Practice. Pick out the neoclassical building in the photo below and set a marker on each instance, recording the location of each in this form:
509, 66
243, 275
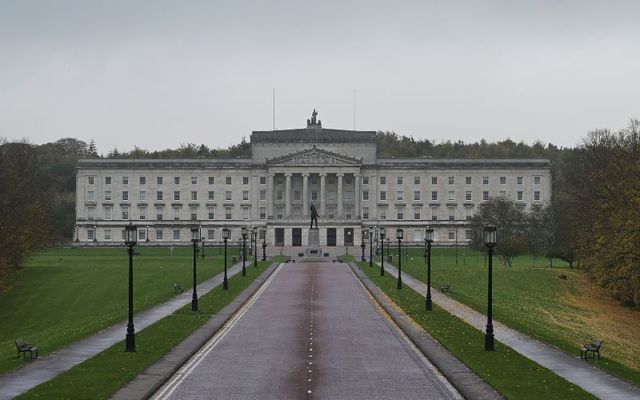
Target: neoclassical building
337, 170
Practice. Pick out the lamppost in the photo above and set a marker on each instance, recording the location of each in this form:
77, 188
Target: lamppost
264, 243
244, 250
370, 246
202, 238
147, 235
254, 235
382, 231
490, 240
399, 235
362, 244
195, 239
130, 240
77, 233
226, 235
428, 239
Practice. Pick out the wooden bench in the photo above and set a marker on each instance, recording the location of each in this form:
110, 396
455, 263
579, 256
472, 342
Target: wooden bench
24, 347
446, 288
178, 288
593, 347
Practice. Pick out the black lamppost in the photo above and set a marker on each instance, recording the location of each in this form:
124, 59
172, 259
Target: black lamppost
490, 240
147, 237
428, 239
264, 244
195, 239
202, 238
362, 244
226, 235
244, 250
382, 231
254, 236
77, 233
130, 240
399, 235
370, 246
95, 234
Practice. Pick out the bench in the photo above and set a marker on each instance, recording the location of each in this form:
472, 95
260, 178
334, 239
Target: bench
446, 288
178, 288
593, 347
24, 347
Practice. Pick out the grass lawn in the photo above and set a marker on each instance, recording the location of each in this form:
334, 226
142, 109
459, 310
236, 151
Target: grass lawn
511, 374
63, 295
535, 301
102, 375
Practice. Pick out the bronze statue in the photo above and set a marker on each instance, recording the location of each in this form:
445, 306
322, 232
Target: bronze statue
314, 215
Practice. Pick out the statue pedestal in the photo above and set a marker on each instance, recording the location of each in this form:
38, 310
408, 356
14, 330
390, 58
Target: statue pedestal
313, 244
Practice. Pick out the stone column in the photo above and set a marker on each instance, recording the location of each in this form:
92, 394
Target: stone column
270, 195
356, 195
323, 188
340, 200
305, 194
287, 195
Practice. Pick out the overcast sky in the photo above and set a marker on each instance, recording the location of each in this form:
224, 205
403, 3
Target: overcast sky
160, 73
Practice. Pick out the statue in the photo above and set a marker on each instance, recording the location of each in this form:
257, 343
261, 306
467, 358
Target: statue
313, 122
314, 215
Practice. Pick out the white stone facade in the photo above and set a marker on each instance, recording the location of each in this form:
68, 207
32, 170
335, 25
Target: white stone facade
338, 172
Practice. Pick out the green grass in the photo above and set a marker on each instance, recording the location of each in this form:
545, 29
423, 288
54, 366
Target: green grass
510, 373
525, 298
101, 376
63, 295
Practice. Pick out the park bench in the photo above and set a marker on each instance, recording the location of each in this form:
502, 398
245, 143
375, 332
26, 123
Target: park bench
24, 347
593, 347
446, 288
178, 288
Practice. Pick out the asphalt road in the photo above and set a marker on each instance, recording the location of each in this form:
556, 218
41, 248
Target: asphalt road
312, 333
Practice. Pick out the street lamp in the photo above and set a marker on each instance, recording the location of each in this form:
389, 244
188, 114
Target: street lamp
428, 239
202, 238
399, 235
130, 240
490, 240
195, 239
147, 235
77, 233
370, 246
226, 235
95, 233
264, 243
382, 232
244, 249
254, 235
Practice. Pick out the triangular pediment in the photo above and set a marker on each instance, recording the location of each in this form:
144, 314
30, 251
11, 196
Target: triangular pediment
314, 157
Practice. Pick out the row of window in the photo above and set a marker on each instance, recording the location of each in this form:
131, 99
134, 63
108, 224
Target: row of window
142, 195
451, 195
451, 180
228, 180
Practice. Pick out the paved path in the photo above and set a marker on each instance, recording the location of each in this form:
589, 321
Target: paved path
47, 367
573, 369
312, 333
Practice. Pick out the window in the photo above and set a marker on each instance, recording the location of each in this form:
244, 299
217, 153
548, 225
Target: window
280, 195
194, 195
519, 180
416, 195
227, 212
467, 195
365, 212
399, 180
365, 180
434, 180
159, 214
91, 195
400, 195
536, 180
536, 196
125, 196
503, 180
159, 180
468, 213
125, 212
452, 235
194, 180
159, 234
485, 180
348, 212
245, 180
211, 234
347, 179
176, 195
467, 180
159, 195
107, 180
279, 212
142, 195
434, 196
108, 211
107, 234
245, 195
194, 213
279, 237
520, 195
211, 195
382, 212
365, 195
263, 213
468, 234
107, 195
176, 213
314, 195
125, 180
211, 214
263, 195
142, 234
434, 213
176, 234
227, 180
331, 212
91, 213
400, 212
91, 234
485, 195
143, 180
297, 194
383, 180
416, 212
452, 213
416, 180
451, 195
91, 180
383, 195
263, 180
452, 180
143, 212
212, 180
227, 195
176, 180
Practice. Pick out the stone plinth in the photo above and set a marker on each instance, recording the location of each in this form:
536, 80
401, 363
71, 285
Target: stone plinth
313, 244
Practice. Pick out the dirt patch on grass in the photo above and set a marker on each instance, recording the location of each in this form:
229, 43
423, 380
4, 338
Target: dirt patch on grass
604, 318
